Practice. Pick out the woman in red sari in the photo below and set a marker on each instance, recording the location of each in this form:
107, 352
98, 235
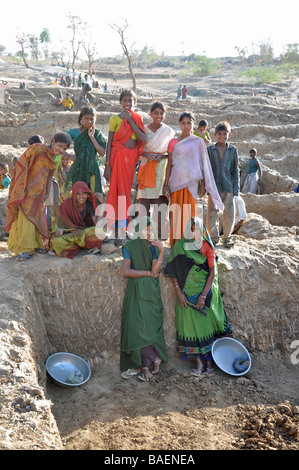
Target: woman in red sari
75, 223
126, 141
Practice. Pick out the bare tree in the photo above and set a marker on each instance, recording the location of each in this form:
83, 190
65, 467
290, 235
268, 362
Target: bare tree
76, 26
127, 50
89, 47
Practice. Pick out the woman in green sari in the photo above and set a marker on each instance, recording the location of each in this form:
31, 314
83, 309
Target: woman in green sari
142, 334
88, 142
200, 316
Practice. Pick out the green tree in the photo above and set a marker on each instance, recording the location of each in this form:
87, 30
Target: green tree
34, 46
44, 38
292, 53
266, 51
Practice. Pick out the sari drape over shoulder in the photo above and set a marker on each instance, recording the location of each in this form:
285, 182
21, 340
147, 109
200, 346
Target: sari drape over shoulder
142, 311
151, 173
123, 162
190, 164
28, 188
85, 167
196, 329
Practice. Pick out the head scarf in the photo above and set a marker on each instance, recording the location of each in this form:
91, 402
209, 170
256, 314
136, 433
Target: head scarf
68, 213
190, 241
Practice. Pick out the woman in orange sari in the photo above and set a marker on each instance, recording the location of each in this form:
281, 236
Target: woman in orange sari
126, 141
26, 219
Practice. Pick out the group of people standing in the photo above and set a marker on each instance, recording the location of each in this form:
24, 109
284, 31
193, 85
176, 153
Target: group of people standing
173, 169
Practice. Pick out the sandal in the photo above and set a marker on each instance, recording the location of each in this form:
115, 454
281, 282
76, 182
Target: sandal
94, 251
127, 374
52, 253
143, 377
228, 243
41, 251
199, 370
24, 256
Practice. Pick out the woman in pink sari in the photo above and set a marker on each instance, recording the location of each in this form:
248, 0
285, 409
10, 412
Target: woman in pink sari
188, 174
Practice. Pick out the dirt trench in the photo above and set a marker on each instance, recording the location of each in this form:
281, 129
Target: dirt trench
63, 305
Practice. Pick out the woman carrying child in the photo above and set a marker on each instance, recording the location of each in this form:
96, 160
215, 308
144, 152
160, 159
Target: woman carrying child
88, 142
26, 219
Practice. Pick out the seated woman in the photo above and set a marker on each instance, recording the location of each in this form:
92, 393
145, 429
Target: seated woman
75, 223
200, 316
142, 334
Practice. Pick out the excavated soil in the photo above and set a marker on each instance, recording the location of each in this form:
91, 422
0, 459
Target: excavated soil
50, 304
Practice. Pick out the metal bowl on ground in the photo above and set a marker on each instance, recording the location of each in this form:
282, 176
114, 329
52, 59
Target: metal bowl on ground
228, 353
67, 370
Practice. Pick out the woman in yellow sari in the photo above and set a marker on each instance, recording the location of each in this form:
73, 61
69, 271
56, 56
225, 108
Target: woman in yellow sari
26, 219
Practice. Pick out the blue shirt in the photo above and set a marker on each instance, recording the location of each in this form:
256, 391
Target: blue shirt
252, 165
6, 182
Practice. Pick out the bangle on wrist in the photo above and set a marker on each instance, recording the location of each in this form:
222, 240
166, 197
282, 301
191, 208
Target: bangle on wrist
203, 297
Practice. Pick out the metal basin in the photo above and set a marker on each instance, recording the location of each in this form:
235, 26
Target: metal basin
67, 370
225, 351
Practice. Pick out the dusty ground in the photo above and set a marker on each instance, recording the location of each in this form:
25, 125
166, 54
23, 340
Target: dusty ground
179, 412
176, 412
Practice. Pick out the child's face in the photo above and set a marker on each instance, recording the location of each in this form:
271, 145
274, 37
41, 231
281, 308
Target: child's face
87, 121
127, 102
202, 128
157, 116
148, 233
222, 137
2, 171
59, 148
81, 198
65, 161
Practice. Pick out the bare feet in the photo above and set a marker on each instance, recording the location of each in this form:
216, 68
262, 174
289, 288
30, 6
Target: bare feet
157, 363
210, 368
146, 375
199, 368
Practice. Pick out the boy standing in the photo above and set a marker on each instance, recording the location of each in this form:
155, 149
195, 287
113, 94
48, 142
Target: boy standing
225, 165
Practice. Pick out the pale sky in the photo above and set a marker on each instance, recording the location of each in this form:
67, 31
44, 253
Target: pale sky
211, 28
